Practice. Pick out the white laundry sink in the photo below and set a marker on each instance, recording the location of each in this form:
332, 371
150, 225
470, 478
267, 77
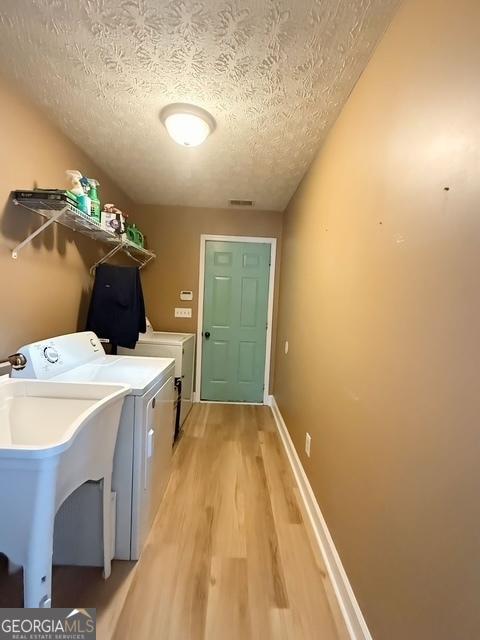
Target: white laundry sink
54, 436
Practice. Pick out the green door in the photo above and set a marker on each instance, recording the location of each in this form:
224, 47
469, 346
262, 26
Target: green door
235, 321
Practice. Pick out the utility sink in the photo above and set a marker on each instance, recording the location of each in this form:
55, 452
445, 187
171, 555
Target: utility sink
54, 436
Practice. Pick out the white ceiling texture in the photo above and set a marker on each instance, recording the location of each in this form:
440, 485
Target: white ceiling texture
273, 73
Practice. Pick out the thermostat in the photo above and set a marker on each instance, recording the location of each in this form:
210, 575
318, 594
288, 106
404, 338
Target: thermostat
186, 295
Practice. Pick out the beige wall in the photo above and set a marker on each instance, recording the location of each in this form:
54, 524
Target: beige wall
45, 291
380, 302
174, 234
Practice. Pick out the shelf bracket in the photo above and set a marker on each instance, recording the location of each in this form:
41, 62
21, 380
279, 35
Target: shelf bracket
38, 231
144, 264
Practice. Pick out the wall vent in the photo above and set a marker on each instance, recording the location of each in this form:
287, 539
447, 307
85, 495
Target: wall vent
235, 202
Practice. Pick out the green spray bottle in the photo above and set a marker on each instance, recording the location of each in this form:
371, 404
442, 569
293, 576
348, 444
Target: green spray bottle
93, 193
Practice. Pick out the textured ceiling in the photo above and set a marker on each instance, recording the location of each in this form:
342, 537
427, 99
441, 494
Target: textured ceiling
273, 73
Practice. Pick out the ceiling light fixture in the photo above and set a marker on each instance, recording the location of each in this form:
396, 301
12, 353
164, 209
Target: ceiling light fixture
187, 124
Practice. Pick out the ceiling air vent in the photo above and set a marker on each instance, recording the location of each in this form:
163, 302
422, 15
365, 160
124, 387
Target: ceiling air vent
241, 203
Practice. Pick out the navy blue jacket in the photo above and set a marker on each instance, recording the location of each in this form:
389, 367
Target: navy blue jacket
117, 309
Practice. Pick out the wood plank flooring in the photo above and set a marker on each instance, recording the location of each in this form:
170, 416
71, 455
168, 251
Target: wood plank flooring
230, 555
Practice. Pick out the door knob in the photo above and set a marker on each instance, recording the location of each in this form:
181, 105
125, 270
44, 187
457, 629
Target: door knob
207, 335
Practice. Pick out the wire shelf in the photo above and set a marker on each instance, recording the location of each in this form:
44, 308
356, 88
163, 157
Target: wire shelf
65, 214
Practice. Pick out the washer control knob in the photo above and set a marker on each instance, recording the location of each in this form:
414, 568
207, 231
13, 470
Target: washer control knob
51, 354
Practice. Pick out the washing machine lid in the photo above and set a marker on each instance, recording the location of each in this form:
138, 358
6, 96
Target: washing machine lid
80, 357
164, 337
139, 373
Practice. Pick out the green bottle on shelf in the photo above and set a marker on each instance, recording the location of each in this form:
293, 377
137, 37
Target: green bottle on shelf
95, 201
135, 235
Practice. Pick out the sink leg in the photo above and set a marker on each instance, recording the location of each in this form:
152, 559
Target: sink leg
13, 567
37, 580
37, 564
107, 526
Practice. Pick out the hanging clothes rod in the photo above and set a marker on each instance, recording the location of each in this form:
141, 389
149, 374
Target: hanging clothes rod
122, 246
106, 257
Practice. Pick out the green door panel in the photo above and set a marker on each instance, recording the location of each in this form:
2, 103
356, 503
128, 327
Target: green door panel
235, 315
249, 302
246, 361
221, 301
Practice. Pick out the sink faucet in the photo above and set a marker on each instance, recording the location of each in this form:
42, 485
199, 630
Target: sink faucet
17, 361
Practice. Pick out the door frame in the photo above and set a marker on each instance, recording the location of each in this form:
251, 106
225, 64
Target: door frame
204, 238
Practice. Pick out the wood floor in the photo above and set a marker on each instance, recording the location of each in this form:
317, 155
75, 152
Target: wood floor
229, 556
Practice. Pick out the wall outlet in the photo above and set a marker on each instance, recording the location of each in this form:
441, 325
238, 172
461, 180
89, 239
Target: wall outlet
183, 312
308, 442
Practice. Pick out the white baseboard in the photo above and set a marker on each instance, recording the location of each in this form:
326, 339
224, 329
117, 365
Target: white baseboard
267, 401
245, 404
354, 620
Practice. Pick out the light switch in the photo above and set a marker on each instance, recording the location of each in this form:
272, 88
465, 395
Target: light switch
183, 312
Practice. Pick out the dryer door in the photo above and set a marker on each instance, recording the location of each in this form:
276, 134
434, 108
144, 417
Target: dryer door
158, 451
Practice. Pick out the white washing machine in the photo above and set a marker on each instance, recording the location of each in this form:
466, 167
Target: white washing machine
141, 467
180, 346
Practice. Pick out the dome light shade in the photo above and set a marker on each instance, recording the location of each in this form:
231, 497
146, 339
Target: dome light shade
187, 124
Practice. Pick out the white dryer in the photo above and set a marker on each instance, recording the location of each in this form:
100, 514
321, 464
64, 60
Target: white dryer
180, 346
141, 467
